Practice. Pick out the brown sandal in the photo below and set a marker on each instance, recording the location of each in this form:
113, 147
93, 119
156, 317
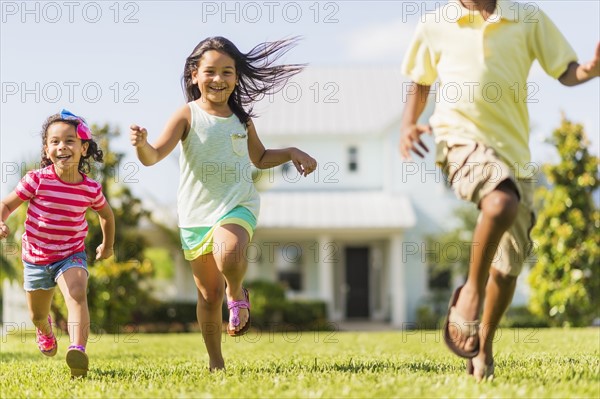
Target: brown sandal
459, 321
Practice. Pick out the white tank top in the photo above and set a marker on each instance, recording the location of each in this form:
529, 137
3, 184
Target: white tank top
215, 170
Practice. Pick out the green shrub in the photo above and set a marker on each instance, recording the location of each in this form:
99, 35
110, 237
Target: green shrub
272, 311
522, 317
268, 301
117, 297
169, 317
306, 315
162, 260
428, 318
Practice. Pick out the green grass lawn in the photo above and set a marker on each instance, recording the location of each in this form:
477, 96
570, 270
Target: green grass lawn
529, 363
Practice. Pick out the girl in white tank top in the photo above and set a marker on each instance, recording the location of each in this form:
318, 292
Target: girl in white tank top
216, 201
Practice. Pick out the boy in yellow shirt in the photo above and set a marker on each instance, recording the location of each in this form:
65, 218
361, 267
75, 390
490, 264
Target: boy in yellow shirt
481, 51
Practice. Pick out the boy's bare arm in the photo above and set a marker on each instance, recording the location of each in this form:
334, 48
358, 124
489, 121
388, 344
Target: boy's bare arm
580, 73
416, 100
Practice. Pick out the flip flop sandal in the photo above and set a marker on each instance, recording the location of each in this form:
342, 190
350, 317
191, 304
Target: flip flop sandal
234, 307
458, 320
77, 361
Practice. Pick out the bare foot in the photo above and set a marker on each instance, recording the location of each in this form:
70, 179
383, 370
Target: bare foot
483, 367
216, 365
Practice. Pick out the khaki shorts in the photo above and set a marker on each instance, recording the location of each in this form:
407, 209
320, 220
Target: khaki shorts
473, 171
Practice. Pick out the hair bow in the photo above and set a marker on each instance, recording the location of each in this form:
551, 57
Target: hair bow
83, 131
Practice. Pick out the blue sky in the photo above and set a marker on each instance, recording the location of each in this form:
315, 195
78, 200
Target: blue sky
121, 62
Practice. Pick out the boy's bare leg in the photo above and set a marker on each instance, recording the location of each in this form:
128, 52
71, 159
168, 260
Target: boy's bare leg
498, 212
498, 296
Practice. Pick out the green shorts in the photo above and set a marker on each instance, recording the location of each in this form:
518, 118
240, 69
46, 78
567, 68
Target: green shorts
197, 241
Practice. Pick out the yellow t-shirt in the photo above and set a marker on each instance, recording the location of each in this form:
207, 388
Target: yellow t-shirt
482, 66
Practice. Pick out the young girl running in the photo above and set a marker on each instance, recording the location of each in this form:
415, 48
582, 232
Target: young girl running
216, 201
53, 248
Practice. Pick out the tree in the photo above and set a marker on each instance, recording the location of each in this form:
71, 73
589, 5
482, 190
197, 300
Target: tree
129, 244
565, 282
450, 251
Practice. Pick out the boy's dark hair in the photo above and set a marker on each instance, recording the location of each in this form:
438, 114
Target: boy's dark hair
257, 76
93, 150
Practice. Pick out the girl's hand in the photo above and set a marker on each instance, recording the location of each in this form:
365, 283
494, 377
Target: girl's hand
304, 163
411, 136
103, 252
4, 231
138, 135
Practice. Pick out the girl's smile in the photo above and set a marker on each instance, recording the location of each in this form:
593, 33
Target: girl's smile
65, 150
216, 77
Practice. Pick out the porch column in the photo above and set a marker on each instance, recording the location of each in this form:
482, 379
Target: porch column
327, 254
397, 282
15, 311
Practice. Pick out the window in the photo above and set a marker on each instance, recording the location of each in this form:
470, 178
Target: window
439, 279
289, 266
352, 159
285, 168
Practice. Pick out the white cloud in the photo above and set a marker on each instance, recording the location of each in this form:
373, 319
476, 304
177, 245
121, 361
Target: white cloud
379, 42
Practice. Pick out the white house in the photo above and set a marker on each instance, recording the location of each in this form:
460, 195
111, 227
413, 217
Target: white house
352, 233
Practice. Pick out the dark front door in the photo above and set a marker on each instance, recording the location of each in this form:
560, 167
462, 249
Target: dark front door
357, 282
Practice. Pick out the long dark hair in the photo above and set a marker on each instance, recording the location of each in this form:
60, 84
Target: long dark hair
257, 76
93, 150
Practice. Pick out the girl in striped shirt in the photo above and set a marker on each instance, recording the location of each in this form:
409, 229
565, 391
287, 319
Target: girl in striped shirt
53, 248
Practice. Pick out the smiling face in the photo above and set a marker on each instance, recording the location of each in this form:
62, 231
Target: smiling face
216, 77
65, 149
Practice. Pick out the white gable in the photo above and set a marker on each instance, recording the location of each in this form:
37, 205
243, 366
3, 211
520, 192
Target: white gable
335, 210
334, 100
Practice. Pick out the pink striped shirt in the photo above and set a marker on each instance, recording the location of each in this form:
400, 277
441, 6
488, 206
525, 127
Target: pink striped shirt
55, 227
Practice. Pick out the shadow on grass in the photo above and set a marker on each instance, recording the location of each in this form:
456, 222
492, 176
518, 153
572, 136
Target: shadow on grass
9, 357
139, 372
353, 366
101, 374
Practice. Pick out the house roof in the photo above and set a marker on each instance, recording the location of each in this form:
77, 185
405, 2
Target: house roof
336, 101
335, 210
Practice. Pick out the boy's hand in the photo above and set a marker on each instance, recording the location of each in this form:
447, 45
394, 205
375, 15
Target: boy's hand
592, 68
4, 231
103, 252
410, 137
304, 163
138, 135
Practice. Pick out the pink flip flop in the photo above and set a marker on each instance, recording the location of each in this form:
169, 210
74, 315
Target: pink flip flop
234, 307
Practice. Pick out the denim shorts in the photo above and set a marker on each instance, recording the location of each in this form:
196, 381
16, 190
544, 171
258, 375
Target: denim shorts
44, 277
